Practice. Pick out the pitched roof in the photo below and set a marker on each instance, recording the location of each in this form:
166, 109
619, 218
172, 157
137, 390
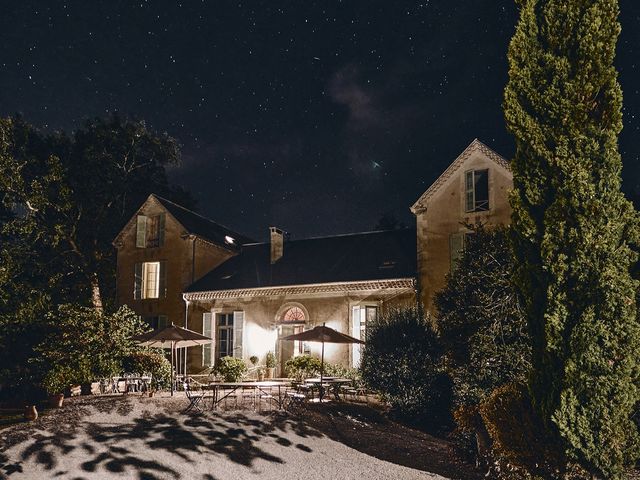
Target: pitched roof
343, 258
201, 226
475, 146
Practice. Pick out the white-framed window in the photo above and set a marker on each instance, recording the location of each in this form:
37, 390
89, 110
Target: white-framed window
476, 191
224, 333
150, 280
229, 332
150, 231
207, 331
361, 316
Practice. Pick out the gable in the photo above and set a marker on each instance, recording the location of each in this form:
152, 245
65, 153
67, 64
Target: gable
190, 222
475, 148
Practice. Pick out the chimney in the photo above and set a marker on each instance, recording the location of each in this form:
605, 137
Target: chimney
277, 244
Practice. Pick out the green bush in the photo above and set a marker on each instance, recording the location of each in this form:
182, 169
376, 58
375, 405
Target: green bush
302, 366
482, 325
520, 445
89, 343
58, 379
337, 370
152, 362
231, 369
402, 361
270, 360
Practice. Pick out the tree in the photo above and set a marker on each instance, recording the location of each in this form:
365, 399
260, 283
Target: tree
482, 325
573, 227
71, 195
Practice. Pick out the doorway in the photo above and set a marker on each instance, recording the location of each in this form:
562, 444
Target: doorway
288, 349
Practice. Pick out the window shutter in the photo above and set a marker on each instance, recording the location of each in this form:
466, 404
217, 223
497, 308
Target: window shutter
137, 283
163, 321
207, 328
141, 232
356, 312
456, 247
161, 222
238, 329
162, 280
469, 198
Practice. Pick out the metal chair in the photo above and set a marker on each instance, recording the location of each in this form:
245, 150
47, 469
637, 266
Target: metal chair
194, 397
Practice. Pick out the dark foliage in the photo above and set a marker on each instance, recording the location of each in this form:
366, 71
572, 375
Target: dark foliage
482, 326
573, 228
402, 361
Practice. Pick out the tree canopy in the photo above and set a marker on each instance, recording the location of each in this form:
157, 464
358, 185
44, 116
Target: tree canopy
574, 229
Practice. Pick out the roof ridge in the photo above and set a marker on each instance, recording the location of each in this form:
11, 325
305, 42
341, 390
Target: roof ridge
340, 235
218, 224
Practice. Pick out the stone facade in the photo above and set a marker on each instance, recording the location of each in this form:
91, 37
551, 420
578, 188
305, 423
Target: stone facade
186, 256
474, 188
264, 323
442, 216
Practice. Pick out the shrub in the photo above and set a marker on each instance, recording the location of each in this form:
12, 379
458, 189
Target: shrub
302, 366
521, 447
402, 361
58, 379
270, 360
231, 369
337, 370
89, 343
152, 362
254, 360
482, 325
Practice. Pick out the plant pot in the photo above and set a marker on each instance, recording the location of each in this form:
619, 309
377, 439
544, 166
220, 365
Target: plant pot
30, 413
260, 376
271, 371
55, 401
150, 393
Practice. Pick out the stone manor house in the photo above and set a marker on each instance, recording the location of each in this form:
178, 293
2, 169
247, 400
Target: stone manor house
174, 265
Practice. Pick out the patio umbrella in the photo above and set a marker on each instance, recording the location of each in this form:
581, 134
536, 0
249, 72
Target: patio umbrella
322, 334
172, 337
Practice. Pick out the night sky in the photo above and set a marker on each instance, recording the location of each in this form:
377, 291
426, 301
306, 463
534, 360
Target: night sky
315, 116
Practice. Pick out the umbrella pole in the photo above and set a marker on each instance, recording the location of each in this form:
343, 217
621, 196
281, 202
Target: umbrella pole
321, 372
173, 381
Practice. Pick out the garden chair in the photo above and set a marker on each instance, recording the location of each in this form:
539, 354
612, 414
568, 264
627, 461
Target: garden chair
195, 397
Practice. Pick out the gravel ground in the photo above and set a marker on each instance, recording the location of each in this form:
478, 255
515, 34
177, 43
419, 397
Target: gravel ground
149, 438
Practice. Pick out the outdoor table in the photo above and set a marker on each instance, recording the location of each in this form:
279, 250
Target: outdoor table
264, 388
332, 383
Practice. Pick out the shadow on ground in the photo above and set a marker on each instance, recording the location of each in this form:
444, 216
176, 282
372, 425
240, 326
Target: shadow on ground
367, 430
106, 441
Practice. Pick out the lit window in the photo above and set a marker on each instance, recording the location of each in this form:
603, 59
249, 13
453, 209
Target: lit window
229, 240
294, 314
225, 335
476, 186
151, 280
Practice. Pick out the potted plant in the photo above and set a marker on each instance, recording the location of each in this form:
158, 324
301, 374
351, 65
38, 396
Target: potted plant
231, 369
55, 382
270, 363
254, 363
260, 374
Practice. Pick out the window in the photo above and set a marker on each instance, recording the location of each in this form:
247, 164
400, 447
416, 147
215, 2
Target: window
150, 280
150, 231
294, 315
476, 186
225, 335
361, 317
207, 329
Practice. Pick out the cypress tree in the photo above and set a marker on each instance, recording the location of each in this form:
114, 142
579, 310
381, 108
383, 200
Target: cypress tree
573, 227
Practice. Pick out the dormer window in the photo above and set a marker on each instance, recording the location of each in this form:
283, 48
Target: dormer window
476, 183
229, 240
150, 231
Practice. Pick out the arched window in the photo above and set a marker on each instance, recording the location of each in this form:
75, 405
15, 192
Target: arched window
293, 315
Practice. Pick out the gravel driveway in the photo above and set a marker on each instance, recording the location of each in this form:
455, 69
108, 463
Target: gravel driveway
142, 438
